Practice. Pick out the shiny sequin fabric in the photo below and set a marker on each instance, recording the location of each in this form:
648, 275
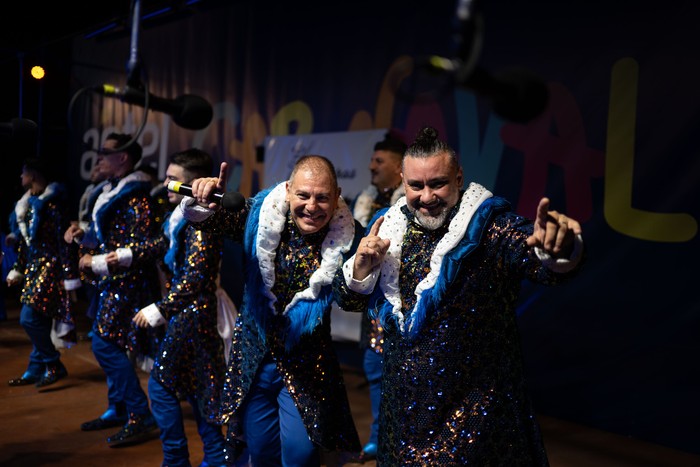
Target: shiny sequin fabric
310, 368
123, 218
454, 393
43, 256
191, 357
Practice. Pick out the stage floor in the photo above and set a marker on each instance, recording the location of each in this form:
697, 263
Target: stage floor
41, 427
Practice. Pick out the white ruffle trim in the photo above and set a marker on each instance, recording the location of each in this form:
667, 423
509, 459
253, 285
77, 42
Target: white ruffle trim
394, 227
273, 217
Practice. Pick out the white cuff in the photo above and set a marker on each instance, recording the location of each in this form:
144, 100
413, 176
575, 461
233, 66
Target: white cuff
124, 256
562, 265
365, 286
153, 315
99, 265
14, 275
72, 284
192, 211
62, 329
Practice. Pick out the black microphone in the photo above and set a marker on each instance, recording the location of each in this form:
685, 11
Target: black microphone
232, 200
188, 111
515, 94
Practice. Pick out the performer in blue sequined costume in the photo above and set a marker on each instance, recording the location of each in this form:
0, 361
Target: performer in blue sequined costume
123, 223
284, 392
46, 270
190, 363
442, 269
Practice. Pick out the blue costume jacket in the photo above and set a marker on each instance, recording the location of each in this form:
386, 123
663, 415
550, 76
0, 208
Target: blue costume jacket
122, 218
453, 389
286, 315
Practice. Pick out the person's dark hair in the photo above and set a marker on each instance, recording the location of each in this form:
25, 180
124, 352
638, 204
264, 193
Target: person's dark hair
427, 145
134, 150
391, 143
40, 167
149, 169
315, 161
197, 163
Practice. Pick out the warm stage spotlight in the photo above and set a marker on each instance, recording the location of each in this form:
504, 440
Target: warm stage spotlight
38, 72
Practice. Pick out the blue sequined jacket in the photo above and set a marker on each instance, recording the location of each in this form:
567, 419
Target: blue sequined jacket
190, 360
122, 218
297, 337
453, 389
43, 258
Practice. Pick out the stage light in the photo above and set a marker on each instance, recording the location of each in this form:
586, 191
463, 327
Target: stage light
38, 72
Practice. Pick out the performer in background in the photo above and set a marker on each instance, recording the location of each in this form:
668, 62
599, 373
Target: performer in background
442, 269
45, 269
284, 392
123, 223
85, 205
190, 363
386, 188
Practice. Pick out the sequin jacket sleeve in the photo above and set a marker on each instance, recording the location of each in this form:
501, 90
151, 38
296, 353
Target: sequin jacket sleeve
195, 275
190, 360
226, 222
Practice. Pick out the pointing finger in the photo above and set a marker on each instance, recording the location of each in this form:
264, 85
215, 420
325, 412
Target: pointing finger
542, 212
374, 230
223, 176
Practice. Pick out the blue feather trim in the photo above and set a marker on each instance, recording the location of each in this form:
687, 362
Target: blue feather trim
53, 191
256, 301
176, 242
303, 317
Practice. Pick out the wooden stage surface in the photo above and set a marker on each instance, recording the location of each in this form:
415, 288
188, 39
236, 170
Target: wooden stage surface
41, 427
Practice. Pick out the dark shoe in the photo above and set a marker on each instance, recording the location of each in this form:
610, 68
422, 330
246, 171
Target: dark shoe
139, 428
25, 380
102, 423
54, 372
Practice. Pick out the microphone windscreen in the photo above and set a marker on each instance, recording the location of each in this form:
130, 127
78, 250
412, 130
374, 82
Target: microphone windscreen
233, 201
193, 112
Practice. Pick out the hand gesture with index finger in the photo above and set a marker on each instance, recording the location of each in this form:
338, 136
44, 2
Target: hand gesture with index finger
370, 253
203, 189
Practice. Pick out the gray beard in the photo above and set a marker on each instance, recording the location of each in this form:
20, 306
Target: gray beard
430, 222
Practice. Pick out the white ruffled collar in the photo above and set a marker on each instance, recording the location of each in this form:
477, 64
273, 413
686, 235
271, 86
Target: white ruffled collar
109, 192
394, 227
338, 240
22, 207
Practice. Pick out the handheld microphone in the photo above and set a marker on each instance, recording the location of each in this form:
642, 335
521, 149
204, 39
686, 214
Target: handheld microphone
233, 201
188, 111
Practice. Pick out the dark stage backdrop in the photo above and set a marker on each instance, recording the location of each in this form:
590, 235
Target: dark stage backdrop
616, 148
